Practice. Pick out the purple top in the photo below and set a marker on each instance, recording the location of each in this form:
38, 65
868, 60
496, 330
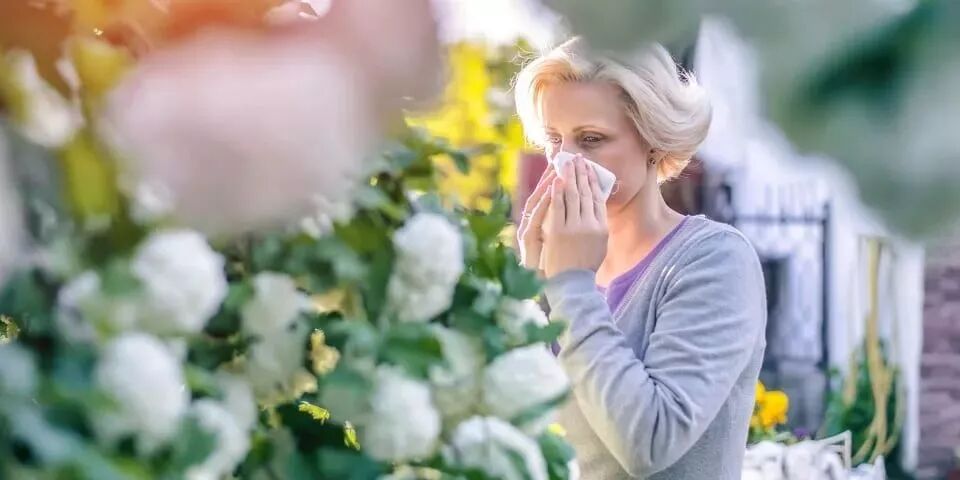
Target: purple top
619, 286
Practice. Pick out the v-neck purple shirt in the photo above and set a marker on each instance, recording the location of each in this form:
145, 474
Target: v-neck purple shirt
619, 286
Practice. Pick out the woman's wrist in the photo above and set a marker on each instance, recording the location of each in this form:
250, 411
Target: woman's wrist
570, 281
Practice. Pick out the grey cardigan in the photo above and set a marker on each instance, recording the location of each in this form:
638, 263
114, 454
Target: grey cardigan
663, 388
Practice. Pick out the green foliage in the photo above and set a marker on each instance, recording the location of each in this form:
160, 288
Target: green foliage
352, 264
414, 346
558, 454
858, 415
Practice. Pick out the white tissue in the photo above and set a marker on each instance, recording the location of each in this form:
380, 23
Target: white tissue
605, 177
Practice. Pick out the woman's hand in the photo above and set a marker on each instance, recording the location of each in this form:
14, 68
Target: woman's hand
530, 233
575, 232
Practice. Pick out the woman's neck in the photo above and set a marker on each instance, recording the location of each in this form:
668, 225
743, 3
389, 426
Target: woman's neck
635, 228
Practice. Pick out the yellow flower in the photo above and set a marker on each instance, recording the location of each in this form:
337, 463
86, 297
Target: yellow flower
770, 408
773, 412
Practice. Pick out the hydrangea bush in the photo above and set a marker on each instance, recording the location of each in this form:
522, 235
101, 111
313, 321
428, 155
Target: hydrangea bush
391, 334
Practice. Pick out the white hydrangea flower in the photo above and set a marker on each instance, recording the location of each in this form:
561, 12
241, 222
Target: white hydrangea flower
490, 444
429, 263
84, 311
456, 385
275, 364
146, 381
238, 399
18, 370
403, 423
182, 279
514, 315
328, 212
522, 379
274, 306
231, 444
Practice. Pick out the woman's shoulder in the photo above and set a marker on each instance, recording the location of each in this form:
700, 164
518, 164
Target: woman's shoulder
710, 239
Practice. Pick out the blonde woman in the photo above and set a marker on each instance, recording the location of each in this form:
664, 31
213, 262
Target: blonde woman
666, 312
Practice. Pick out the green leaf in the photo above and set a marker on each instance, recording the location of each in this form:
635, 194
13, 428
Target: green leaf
91, 464
494, 341
347, 465
117, 279
261, 451
547, 333
538, 411
227, 320
558, 454
518, 282
299, 467
413, 346
469, 321
209, 352
345, 393
371, 197
266, 252
200, 381
347, 264
374, 289
193, 445
29, 298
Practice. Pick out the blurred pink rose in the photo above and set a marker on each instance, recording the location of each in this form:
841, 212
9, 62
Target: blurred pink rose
230, 132
395, 43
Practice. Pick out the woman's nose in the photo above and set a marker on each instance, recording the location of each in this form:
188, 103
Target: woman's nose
569, 147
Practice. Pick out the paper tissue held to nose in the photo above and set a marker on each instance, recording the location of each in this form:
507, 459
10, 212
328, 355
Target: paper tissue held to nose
605, 177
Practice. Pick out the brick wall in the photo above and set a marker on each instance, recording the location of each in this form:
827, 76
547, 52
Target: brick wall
940, 363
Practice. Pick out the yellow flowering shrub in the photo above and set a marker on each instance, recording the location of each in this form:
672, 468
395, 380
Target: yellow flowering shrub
476, 112
769, 412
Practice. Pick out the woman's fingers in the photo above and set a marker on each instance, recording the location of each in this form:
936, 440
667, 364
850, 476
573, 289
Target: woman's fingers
558, 209
540, 211
571, 197
599, 205
583, 188
534, 199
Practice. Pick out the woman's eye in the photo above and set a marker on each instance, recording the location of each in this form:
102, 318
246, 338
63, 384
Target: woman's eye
554, 140
591, 139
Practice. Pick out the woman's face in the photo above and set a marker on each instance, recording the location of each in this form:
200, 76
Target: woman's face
589, 118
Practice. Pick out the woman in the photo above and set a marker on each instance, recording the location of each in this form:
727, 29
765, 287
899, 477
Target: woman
666, 313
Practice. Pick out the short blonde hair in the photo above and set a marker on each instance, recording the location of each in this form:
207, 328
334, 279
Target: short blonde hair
670, 110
